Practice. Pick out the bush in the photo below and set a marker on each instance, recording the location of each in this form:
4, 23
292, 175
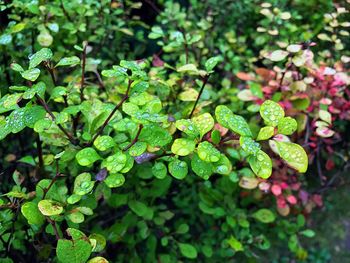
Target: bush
129, 138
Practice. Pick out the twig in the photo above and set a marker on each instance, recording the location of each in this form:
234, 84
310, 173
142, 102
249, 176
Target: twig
14, 219
40, 152
65, 12
284, 74
205, 80
126, 96
58, 174
155, 8
83, 64
54, 226
319, 168
47, 109
135, 139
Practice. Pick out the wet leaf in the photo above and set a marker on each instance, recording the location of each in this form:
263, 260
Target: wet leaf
265, 133
287, 125
183, 146
115, 163
261, 164
83, 184
68, 61
293, 154
104, 142
249, 145
31, 74
204, 123
178, 169
188, 127
159, 170
207, 152
43, 54
271, 112
87, 156
201, 168
114, 180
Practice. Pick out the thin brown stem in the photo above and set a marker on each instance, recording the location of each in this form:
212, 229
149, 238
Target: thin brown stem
53, 118
58, 174
83, 64
40, 152
135, 139
65, 12
54, 226
126, 96
205, 80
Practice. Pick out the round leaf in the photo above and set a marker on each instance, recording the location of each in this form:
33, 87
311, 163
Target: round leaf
178, 169
50, 207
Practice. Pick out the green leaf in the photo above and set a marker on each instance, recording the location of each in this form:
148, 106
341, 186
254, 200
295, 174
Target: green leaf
178, 169
183, 146
156, 32
83, 184
138, 148
287, 125
115, 163
16, 67
16, 120
38, 88
235, 244
211, 63
249, 145
87, 156
188, 127
159, 170
187, 250
104, 142
76, 217
141, 209
223, 166
68, 61
204, 123
31, 74
154, 135
207, 152
233, 122
114, 180
271, 112
32, 115
31, 212
293, 154
50, 207
261, 164
100, 242
265, 133
11, 100
215, 136
5, 39
264, 215
77, 250
188, 68
43, 54
308, 233
201, 168
98, 260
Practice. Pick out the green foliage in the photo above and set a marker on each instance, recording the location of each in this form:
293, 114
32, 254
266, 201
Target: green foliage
133, 139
